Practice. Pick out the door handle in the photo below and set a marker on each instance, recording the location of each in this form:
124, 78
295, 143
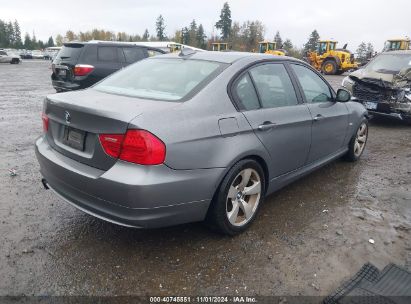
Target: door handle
318, 117
266, 125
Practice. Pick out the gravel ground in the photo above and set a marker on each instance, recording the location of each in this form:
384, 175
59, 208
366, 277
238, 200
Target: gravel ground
308, 238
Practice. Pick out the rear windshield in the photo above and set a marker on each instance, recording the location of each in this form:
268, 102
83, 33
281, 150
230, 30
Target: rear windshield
70, 52
162, 79
389, 63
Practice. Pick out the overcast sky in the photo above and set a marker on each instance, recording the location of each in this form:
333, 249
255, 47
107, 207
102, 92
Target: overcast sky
346, 21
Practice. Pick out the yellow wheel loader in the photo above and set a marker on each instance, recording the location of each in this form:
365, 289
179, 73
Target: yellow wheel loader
270, 47
174, 47
219, 46
397, 44
330, 60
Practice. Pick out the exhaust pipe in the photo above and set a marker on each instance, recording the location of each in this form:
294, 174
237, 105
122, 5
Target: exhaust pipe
44, 182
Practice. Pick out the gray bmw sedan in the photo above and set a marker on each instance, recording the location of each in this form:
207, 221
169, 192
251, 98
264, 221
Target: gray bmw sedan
196, 136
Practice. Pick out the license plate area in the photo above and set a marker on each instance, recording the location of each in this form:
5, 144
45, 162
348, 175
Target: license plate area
370, 105
62, 72
74, 138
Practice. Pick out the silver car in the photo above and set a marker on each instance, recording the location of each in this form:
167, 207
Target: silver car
195, 136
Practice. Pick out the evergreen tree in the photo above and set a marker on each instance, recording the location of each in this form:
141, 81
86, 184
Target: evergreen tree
160, 28
312, 42
278, 40
370, 50
146, 35
17, 35
50, 42
9, 34
185, 35
201, 37
287, 45
224, 24
193, 33
27, 42
34, 42
3, 38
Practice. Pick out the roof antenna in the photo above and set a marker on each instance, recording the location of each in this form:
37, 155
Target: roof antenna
186, 52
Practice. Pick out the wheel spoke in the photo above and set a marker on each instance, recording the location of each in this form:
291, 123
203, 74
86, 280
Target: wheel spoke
232, 192
233, 214
356, 147
247, 208
255, 188
361, 138
245, 175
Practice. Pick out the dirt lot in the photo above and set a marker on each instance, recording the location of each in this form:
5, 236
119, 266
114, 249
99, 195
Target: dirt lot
308, 238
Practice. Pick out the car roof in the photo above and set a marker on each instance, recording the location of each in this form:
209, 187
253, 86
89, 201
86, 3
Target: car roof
114, 43
227, 57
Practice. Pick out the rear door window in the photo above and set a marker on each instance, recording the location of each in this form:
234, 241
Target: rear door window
107, 53
90, 54
70, 52
133, 54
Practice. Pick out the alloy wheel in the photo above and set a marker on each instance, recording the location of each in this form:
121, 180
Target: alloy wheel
360, 139
243, 197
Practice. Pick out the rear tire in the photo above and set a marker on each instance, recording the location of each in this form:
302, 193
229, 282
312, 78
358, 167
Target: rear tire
238, 198
358, 142
329, 67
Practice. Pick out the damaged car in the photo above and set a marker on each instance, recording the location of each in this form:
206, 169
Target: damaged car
383, 86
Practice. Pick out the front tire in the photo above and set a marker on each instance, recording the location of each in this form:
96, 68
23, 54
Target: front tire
329, 67
237, 200
357, 143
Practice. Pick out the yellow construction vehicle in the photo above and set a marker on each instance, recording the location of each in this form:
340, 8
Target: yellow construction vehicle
219, 46
270, 47
397, 44
330, 60
174, 47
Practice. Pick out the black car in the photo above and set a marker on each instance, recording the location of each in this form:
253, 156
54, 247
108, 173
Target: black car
79, 65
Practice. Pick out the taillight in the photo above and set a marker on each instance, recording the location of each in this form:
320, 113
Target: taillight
136, 146
45, 120
82, 69
112, 143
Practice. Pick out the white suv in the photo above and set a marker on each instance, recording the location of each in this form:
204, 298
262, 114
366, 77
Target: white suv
4, 57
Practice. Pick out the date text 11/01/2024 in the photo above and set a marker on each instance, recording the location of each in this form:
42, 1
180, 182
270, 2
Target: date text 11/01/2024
203, 299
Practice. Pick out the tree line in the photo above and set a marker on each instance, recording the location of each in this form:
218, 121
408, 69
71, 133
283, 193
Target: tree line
243, 36
10, 37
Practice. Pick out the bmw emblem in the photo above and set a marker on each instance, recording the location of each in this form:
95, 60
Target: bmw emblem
67, 116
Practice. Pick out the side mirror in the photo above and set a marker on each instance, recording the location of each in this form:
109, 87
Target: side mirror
343, 95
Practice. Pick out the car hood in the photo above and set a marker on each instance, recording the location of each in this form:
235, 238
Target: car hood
387, 81
365, 75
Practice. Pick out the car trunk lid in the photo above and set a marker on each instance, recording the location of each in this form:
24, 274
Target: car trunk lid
77, 118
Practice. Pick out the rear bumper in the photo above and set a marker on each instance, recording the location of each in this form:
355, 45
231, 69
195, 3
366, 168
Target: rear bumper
129, 194
64, 86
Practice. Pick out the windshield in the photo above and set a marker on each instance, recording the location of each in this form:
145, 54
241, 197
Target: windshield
389, 63
163, 79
